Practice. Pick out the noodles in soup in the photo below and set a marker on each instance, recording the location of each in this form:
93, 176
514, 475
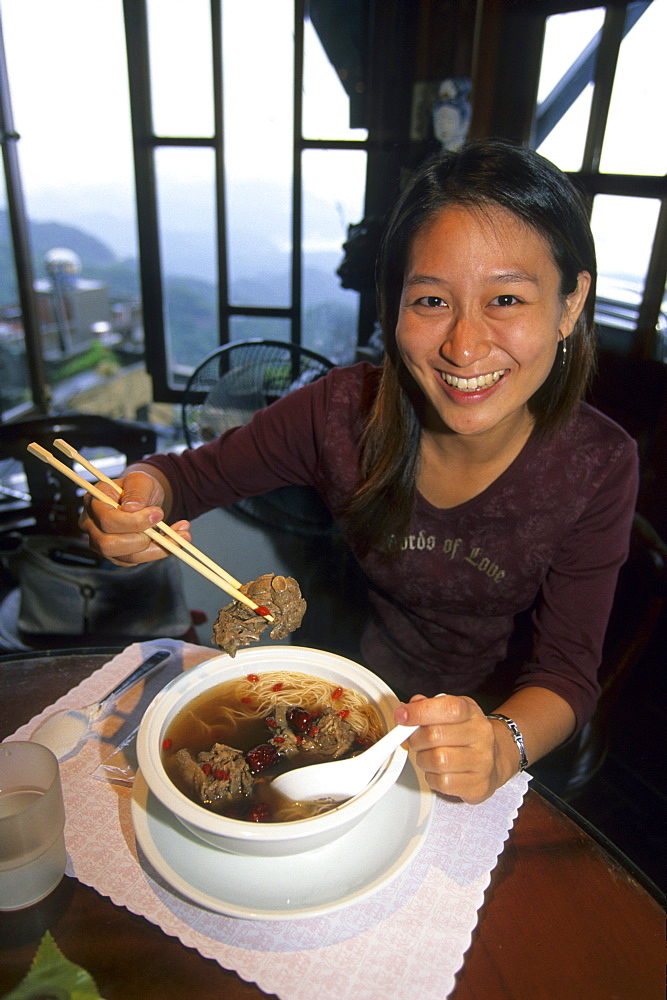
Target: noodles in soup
225, 748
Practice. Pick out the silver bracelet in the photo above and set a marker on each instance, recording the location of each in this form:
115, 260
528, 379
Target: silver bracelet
518, 738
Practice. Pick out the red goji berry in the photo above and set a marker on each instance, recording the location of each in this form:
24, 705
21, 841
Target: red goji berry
221, 774
344, 712
206, 768
246, 701
278, 739
270, 722
264, 612
336, 694
253, 678
278, 686
313, 731
166, 744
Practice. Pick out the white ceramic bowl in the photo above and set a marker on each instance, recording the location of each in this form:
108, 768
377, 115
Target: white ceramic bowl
239, 836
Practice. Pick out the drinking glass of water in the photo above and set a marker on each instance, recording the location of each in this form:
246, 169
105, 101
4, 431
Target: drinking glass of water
32, 820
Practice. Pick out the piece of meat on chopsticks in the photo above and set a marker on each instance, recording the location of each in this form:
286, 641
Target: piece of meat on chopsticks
238, 625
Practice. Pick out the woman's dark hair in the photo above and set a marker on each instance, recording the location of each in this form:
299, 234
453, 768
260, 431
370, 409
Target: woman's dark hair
482, 175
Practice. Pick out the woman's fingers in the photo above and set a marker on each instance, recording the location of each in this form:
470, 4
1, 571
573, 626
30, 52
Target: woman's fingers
471, 787
118, 533
439, 718
140, 491
454, 745
130, 548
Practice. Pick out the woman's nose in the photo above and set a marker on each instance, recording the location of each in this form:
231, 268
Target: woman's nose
465, 343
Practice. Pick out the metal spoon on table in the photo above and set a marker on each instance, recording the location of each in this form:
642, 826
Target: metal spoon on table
62, 731
340, 779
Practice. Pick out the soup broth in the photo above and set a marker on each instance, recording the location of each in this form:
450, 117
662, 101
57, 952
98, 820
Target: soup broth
235, 713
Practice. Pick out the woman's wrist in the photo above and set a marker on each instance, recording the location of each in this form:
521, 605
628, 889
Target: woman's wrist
509, 759
517, 736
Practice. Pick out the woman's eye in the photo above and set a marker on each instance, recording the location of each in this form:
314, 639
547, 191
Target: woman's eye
504, 300
431, 301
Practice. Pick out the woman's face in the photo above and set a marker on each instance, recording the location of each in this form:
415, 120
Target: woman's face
480, 318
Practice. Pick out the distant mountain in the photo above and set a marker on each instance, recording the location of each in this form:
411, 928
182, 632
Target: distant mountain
259, 274
45, 236
98, 261
258, 222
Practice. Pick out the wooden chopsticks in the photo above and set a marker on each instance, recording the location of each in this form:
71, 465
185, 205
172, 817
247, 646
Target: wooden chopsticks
167, 529
162, 533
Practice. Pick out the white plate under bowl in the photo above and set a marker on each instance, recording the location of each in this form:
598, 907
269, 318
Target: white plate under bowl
325, 879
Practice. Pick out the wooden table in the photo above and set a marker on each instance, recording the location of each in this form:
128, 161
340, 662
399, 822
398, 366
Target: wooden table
565, 915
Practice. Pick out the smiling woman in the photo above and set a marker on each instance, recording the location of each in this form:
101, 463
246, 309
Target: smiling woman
488, 506
480, 320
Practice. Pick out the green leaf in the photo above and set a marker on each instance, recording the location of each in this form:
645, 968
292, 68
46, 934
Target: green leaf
54, 977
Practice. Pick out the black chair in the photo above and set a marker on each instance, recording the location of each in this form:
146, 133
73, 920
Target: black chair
52, 503
639, 603
226, 389
48, 504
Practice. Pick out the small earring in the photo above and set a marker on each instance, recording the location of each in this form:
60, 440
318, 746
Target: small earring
563, 358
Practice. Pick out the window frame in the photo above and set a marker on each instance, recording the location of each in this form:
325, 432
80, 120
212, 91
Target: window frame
9, 137
505, 34
146, 142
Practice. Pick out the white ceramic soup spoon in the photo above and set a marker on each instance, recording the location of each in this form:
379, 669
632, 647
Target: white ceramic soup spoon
340, 779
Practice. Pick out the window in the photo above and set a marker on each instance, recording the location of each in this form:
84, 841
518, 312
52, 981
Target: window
596, 118
73, 166
169, 160
267, 199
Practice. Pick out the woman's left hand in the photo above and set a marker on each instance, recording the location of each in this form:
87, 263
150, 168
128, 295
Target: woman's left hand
462, 753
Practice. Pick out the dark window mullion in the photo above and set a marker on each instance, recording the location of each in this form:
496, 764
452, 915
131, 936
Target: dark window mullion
611, 37
220, 177
297, 173
617, 23
21, 243
654, 290
189, 141
270, 312
150, 267
623, 185
575, 80
363, 144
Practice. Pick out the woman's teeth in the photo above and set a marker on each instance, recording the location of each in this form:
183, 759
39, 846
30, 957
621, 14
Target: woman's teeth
471, 384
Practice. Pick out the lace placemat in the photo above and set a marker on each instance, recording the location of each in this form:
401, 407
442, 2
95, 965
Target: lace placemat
407, 939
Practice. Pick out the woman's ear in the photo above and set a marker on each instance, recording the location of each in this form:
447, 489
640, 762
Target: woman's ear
574, 303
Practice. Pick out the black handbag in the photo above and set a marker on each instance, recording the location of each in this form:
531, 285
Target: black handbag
66, 589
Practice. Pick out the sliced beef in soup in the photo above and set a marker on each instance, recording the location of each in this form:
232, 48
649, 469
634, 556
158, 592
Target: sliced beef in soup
334, 735
296, 730
217, 775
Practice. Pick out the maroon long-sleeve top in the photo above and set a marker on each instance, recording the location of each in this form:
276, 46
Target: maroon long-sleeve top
550, 534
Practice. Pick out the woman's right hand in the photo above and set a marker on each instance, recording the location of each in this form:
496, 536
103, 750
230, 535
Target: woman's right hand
118, 533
